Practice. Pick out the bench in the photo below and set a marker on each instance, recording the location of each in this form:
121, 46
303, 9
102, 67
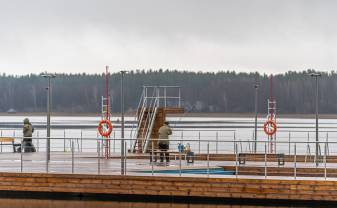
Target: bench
9, 141
188, 156
242, 157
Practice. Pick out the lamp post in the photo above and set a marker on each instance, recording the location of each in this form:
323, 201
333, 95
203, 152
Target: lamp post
316, 75
122, 124
49, 76
256, 86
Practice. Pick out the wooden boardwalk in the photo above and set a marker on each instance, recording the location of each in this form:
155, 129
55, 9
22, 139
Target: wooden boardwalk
104, 177
225, 187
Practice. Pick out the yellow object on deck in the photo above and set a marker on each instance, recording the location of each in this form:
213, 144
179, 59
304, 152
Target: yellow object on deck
6, 139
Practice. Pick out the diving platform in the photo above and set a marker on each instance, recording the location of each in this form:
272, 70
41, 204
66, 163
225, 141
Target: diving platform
155, 104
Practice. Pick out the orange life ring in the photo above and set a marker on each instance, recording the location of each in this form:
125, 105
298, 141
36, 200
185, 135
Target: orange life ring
272, 130
100, 128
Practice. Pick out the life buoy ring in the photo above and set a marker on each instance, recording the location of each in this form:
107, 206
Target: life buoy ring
269, 127
105, 133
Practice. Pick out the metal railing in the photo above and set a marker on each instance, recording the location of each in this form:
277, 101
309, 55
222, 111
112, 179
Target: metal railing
221, 156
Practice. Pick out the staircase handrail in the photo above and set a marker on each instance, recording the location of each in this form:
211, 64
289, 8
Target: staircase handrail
140, 119
149, 130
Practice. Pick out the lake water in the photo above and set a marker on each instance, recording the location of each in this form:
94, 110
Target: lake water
213, 130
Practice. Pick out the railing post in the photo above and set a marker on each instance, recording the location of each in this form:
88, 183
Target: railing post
216, 147
265, 160
208, 159
21, 161
64, 140
295, 161
125, 157
98, 158
325, 152
289, 141
72, 156
199, 142
327, 141
81, 140
38, 142
179, 163
236, 159
47, 160
152, 158
234, 136
114, 142
252, 144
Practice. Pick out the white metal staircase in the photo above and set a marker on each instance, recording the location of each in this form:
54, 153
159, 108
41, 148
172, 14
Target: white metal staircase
152, 99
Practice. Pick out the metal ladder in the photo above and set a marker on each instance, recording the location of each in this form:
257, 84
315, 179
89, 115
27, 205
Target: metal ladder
106, 114
146, 115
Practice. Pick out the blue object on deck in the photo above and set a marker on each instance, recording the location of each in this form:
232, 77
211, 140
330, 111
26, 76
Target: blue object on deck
212, 171
181, 147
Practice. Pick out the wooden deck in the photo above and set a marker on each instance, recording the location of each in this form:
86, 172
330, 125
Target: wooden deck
91, 177
227, 187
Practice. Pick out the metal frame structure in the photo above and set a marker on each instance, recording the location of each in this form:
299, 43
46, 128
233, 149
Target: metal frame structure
152, 98
106, 113
271, 102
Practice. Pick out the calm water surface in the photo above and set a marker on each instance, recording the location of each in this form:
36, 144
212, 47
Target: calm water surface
185, 129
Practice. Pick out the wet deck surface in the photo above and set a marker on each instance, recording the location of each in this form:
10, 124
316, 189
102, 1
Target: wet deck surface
89, 163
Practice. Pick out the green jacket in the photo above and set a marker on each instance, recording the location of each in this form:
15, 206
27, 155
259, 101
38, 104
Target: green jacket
164, 133
27, 129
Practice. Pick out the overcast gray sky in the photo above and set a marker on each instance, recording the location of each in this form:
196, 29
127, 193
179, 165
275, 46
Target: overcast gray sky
202, 35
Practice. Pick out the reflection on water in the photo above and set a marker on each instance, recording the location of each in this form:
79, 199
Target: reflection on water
37, 203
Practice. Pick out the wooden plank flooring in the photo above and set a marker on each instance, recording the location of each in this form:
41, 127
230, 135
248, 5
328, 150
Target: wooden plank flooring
87, 180
172, 186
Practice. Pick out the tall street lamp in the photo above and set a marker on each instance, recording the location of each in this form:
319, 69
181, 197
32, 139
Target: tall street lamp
256, 86
49, 76
316, 75
122, 125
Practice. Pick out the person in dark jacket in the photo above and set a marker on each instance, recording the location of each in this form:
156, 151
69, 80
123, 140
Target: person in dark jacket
27, 142
164, 144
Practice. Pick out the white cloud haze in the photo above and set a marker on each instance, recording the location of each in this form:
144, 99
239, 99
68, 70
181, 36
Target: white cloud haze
243, 35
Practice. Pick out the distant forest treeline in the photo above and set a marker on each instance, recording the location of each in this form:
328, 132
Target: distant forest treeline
201, 92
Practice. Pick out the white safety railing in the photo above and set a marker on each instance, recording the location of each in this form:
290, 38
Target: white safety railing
218, 156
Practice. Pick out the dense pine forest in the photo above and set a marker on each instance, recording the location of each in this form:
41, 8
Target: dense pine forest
227, 91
